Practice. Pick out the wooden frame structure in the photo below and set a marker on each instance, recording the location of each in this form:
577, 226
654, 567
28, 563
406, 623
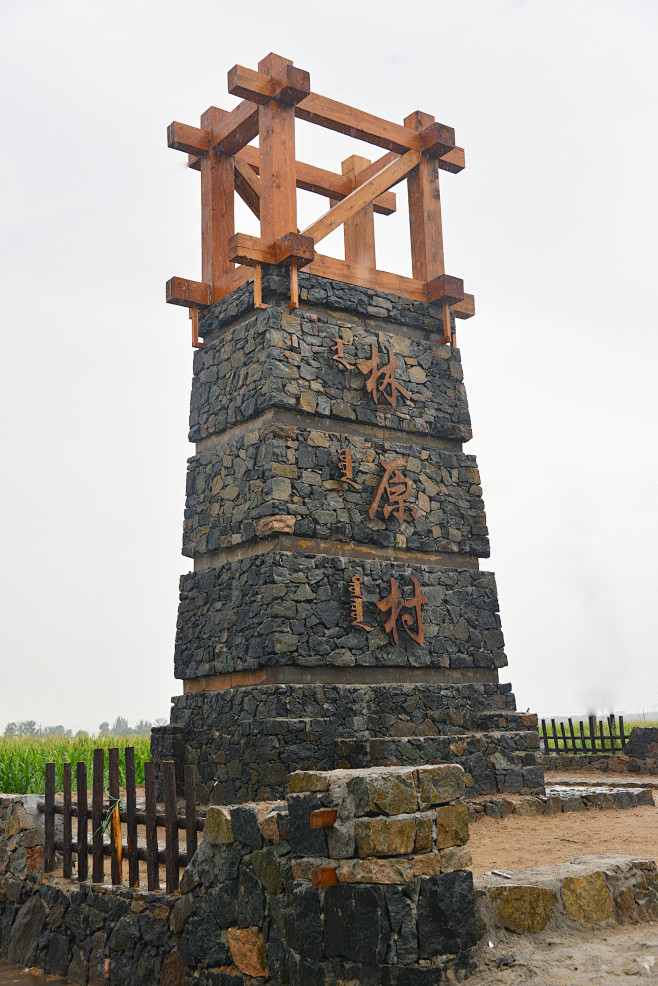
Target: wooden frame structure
267, 177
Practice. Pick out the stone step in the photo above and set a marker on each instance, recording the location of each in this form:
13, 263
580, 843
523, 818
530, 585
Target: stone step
493, 768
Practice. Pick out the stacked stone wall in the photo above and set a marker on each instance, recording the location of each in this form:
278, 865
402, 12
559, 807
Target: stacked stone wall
377, 893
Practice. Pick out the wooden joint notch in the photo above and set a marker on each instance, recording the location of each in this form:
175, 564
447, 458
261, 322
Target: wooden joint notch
445, 289
437, 140
290, 85
324, 876
194, 318
188, 294
294, 249
323, 818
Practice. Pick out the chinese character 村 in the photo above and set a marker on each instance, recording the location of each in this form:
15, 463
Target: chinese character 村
395, 603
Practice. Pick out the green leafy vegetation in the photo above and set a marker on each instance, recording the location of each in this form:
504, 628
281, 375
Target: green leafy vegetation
23, 759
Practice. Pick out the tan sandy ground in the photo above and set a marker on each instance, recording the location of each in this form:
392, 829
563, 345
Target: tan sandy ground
521, 842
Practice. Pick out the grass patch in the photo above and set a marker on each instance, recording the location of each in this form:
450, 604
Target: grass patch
23, 760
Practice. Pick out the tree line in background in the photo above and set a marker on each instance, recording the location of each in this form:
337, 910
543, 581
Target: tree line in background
120, 727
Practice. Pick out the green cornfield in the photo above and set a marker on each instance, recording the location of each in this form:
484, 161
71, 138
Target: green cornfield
23, 760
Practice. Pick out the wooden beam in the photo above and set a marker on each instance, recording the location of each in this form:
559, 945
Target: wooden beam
363, 195
294, 249
236, 129
346, 119
454, 161
230, 282
182, 137
308, 177
366, 277
247, 185
217, 201
465, 308
251, 250
425, 210
359, 230
446, 289
437, 140
188, 294
276, 128
289, 85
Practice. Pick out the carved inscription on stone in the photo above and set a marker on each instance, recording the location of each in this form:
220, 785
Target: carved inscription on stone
380, 380
394, 604
412, 624
395, 488
345, 466
356, 607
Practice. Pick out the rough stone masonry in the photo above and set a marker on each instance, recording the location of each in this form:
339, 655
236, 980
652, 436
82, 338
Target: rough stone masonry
336, 615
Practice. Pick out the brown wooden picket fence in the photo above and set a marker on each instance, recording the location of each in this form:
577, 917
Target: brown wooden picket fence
107, 816
590, 739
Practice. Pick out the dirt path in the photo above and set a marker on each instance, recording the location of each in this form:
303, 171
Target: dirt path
520, 842
603, 957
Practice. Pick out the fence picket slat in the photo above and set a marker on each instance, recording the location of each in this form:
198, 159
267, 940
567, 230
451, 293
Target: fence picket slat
83, 811
152, 867
602, 735
564, 738
583, 744
115, 824
171, 824
131, 809
67, 835
98, 866
556, 743
545, 735
573, 736
191, 829
49, 848
622, 735
592, 733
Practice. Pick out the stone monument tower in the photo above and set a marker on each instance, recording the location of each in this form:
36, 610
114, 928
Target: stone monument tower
337, 614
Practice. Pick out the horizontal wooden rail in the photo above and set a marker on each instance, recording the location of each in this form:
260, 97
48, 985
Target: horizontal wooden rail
141, 852
140, 816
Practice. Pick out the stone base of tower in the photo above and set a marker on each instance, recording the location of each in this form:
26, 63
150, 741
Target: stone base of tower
245, 741
337, 615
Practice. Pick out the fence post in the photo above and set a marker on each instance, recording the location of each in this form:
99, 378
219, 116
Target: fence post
545, 735
67, 835
98, 865
83, 847
152, 863
131, 808
622, 733
592, 733
573, 736
171, 825
115, 823
49, 820
190, 812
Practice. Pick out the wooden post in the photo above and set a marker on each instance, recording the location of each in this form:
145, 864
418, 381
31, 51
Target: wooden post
602, 735
555, 737
622, 736
83, 811
583, 742
115, 824
98, 867
545, 735
359, 231
573, 736
131, 810
276, 128
217, 205
49, 820
152, 865
191, 829
171, 825
67, 835
564, 738
592, 733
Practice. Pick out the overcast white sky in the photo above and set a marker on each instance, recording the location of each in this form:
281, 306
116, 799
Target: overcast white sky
552, 226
